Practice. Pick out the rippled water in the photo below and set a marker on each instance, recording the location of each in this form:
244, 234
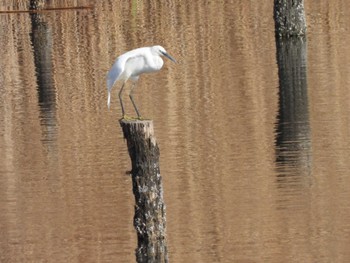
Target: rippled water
253, 134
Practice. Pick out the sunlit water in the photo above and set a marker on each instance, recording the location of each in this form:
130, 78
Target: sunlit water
254, 147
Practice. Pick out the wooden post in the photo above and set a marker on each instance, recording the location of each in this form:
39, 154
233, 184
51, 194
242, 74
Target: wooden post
36, 4
289, 18
149, 219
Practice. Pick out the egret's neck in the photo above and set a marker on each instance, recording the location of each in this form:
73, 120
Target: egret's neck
158, 62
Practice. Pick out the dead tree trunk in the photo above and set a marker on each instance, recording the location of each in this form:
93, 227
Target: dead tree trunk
36, 4
149, 219
289, 18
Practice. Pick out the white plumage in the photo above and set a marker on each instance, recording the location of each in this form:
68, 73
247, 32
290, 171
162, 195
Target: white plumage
131, 65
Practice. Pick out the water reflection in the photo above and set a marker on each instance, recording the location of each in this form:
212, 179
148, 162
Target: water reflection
41, 38
215, 121
293, 142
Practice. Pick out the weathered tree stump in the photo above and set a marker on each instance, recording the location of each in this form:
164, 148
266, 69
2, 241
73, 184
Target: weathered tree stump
149, 219
36, 4
289, 18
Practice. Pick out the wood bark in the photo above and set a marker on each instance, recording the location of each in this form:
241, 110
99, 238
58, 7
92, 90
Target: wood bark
36, 4
289, 18
150, 216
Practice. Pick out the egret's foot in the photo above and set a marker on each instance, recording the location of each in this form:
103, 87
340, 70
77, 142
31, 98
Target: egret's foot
142, 118
127, 118
130, 118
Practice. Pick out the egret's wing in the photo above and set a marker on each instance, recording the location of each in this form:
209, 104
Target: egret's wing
113, 75
118, 67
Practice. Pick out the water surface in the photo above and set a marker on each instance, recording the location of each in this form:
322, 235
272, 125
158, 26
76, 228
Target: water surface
253, 134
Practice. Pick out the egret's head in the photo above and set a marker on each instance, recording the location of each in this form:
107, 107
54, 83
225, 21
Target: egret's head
162, 52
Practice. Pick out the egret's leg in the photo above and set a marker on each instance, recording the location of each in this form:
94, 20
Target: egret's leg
121, 100
132, 99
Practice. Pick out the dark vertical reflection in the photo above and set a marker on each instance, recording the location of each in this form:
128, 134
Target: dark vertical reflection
293, 144
41, 37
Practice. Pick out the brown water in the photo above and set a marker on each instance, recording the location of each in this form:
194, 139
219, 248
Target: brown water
255, 165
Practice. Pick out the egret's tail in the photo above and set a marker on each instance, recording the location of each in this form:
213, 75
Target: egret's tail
109, 99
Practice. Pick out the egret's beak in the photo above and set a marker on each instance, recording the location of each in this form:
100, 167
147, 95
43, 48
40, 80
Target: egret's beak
169, 57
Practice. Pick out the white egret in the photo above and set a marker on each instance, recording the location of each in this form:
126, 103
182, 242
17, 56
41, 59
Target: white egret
131, 65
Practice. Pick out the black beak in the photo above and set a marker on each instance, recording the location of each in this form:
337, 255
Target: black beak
168, 56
